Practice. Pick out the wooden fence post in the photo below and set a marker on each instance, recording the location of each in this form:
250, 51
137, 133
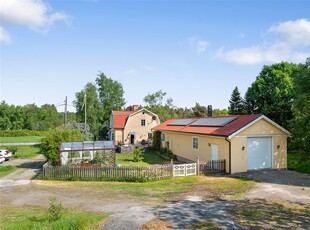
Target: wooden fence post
171, 165
197, 166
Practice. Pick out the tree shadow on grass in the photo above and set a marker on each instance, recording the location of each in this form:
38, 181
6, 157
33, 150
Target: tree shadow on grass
261, 214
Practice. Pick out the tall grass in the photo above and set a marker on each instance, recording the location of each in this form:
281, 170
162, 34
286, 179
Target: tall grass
13, 218
4, 170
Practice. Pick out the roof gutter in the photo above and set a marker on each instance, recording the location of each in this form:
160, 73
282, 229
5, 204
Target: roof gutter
229, 154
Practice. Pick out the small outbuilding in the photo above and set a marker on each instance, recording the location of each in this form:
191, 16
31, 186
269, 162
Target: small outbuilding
98, 152
246, 142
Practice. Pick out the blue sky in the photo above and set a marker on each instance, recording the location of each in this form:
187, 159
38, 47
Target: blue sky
195, 51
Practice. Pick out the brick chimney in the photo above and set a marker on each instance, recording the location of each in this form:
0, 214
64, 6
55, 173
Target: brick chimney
135, 107
209, 110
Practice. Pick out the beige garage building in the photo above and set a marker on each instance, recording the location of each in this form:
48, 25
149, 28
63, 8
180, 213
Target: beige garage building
246, 142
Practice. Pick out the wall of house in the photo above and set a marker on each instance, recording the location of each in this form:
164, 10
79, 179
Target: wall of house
118, 134
133, 125
181, 145
262, 128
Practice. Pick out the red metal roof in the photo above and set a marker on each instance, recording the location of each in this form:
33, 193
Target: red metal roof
226, 130
120, 118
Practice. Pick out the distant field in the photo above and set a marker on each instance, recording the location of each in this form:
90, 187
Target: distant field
24, 139
28, 151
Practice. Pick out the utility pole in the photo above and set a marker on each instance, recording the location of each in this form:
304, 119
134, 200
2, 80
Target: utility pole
66, 114
85, 107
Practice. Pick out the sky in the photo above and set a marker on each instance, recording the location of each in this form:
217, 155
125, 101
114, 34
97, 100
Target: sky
195, 51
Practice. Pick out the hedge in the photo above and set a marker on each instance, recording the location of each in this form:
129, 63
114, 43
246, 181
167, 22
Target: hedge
21, 133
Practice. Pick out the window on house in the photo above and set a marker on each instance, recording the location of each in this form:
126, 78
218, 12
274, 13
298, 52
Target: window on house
113, 136
195, 143
150, 136
142, 122
163, 137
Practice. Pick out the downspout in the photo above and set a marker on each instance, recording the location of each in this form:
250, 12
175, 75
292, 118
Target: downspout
229, 155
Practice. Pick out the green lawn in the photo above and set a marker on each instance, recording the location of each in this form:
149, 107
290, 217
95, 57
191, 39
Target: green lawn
4, 170
149, 158
27, 151
12, 218
298, 161
23, 139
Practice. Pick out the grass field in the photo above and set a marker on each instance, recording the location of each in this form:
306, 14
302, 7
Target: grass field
29, 217
298, 161
24, 139
149, 158
4, 170
27, 151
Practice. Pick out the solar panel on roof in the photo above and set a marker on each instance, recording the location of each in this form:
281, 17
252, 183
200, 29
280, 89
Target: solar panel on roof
184, 122
213, 121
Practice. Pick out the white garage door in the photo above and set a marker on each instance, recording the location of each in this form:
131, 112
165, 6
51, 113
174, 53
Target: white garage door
259, 152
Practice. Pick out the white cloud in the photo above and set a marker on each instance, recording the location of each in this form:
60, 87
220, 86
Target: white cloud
4, 36
34, 14
199, 45
289, 37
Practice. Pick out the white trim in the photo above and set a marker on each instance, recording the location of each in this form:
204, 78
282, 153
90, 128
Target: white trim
256, 120
261, 135
193, 143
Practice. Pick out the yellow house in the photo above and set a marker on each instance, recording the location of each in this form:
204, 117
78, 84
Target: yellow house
246, 142
131, 127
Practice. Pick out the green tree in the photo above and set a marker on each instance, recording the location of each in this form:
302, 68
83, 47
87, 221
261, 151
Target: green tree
92, 106
300, 124
199, 110
155, 103
236, 103
111, 96
50, 144
272, 92
220, 112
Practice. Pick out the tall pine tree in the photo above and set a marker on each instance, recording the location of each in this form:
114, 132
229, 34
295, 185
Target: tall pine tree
236, 103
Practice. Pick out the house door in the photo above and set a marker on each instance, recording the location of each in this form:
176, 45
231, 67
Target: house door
214, 152
132, 139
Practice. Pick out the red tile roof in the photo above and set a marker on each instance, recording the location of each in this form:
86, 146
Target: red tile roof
120, 118
226, 130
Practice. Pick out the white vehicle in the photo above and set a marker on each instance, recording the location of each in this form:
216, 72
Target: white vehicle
2, 158
6, 153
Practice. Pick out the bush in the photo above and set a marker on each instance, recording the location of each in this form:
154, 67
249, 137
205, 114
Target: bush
156, 144
12, 149
55, 210
166, 152
51, 142
137, 154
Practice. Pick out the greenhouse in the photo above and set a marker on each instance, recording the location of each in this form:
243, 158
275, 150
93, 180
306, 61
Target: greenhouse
87, 152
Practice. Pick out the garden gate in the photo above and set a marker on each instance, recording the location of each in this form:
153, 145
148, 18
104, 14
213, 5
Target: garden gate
184, 169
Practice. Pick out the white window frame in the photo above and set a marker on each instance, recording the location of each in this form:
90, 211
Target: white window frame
163, 137
150, 136
196, 149
143, 121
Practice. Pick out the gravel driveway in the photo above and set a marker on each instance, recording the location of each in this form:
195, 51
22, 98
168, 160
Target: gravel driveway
279, 185
27, 170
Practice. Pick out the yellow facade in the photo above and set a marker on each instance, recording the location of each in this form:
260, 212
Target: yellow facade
181, 145
134, 127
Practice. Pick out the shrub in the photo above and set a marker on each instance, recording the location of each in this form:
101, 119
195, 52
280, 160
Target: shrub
12, 149
166, 152
156, 144
51, 142
137, 154
55, 210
